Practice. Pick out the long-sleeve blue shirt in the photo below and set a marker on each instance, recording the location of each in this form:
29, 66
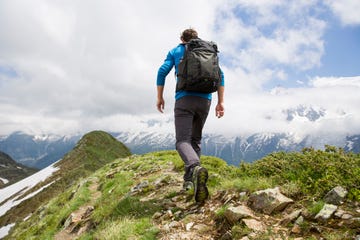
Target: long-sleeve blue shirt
172, 59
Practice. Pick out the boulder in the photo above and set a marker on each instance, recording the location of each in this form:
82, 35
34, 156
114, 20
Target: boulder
326, 212
336, 196
269, 201
234, 214
254, 225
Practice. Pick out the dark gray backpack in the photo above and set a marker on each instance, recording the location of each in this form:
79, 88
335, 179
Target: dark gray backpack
199, 70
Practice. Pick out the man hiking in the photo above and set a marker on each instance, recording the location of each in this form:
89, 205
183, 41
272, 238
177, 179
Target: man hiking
192, 103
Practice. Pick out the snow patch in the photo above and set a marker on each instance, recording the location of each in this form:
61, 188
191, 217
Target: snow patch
18, 187
5, 181
5, 230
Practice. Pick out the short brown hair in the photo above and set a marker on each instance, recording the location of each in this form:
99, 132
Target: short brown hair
189, 34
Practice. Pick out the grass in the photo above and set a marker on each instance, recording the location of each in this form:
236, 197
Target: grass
93, 151
119, 215
310, 172
47, 220
315, 207
127, 228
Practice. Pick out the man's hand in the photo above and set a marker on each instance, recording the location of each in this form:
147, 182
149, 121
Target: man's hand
160, 104
219, 110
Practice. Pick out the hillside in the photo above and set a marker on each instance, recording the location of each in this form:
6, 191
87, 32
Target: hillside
93, 151
41, 151
140, 197
11, 171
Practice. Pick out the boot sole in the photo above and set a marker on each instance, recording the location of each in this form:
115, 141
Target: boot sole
201, 190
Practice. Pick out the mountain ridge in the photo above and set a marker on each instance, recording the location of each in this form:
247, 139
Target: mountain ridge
140, 197
92, 151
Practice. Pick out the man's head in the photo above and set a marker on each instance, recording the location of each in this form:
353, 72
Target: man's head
188, 34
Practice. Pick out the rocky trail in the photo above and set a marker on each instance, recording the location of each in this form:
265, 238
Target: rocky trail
79, 221
229, 214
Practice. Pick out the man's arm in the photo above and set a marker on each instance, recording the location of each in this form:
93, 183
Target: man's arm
160, 82
219, 109
160, 103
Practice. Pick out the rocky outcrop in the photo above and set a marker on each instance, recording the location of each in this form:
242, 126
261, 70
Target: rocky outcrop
269, 201
336, 196
266, 214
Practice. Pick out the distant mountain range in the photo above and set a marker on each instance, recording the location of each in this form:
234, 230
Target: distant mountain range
41, 151
99, 190
36, 151
11, 171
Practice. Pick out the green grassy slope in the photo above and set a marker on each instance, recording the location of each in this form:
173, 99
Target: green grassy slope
119, 213
93, 151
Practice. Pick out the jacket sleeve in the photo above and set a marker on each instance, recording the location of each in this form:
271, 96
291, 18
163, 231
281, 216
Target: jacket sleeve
222, 83
165, 69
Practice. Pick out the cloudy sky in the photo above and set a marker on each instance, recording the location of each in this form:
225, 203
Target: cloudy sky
73, 66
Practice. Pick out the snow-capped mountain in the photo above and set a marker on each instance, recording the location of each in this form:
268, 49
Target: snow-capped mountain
308, 113
236, 149
43, 151
36, 151
353, 143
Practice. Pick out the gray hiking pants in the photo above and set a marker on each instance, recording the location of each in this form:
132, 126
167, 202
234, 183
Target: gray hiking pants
190, 116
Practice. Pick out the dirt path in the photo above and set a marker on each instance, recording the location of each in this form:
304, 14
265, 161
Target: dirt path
78, 220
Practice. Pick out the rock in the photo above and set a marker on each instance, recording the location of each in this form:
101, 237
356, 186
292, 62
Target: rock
336, 196
111, 174
200, 227
296, 229
234, 214
291, 217
254, 225
174, 224
168, 215
158, 183
299, 220
268, 201
77, 219
353, 223
189, 226
157, 215
85, 228
342, 214
140, 187
326, 212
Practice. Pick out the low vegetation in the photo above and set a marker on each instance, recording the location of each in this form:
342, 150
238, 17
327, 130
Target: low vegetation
310, 173
92, 151
119, 214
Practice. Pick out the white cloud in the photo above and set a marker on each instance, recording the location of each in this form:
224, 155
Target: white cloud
336, 82
269, 36
83, 65
346, 10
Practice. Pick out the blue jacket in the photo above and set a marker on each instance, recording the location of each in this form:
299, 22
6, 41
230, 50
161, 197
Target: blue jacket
172, 59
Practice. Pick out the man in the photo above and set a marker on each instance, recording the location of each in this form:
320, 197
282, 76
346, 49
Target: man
191, 110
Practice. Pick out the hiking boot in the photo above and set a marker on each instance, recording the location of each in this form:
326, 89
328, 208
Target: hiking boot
188, 189
188, 185
200, 177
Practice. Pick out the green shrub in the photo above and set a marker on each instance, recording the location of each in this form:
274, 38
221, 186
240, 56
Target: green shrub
315, 172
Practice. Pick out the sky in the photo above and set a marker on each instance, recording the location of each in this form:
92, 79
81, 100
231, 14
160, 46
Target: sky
74, 66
